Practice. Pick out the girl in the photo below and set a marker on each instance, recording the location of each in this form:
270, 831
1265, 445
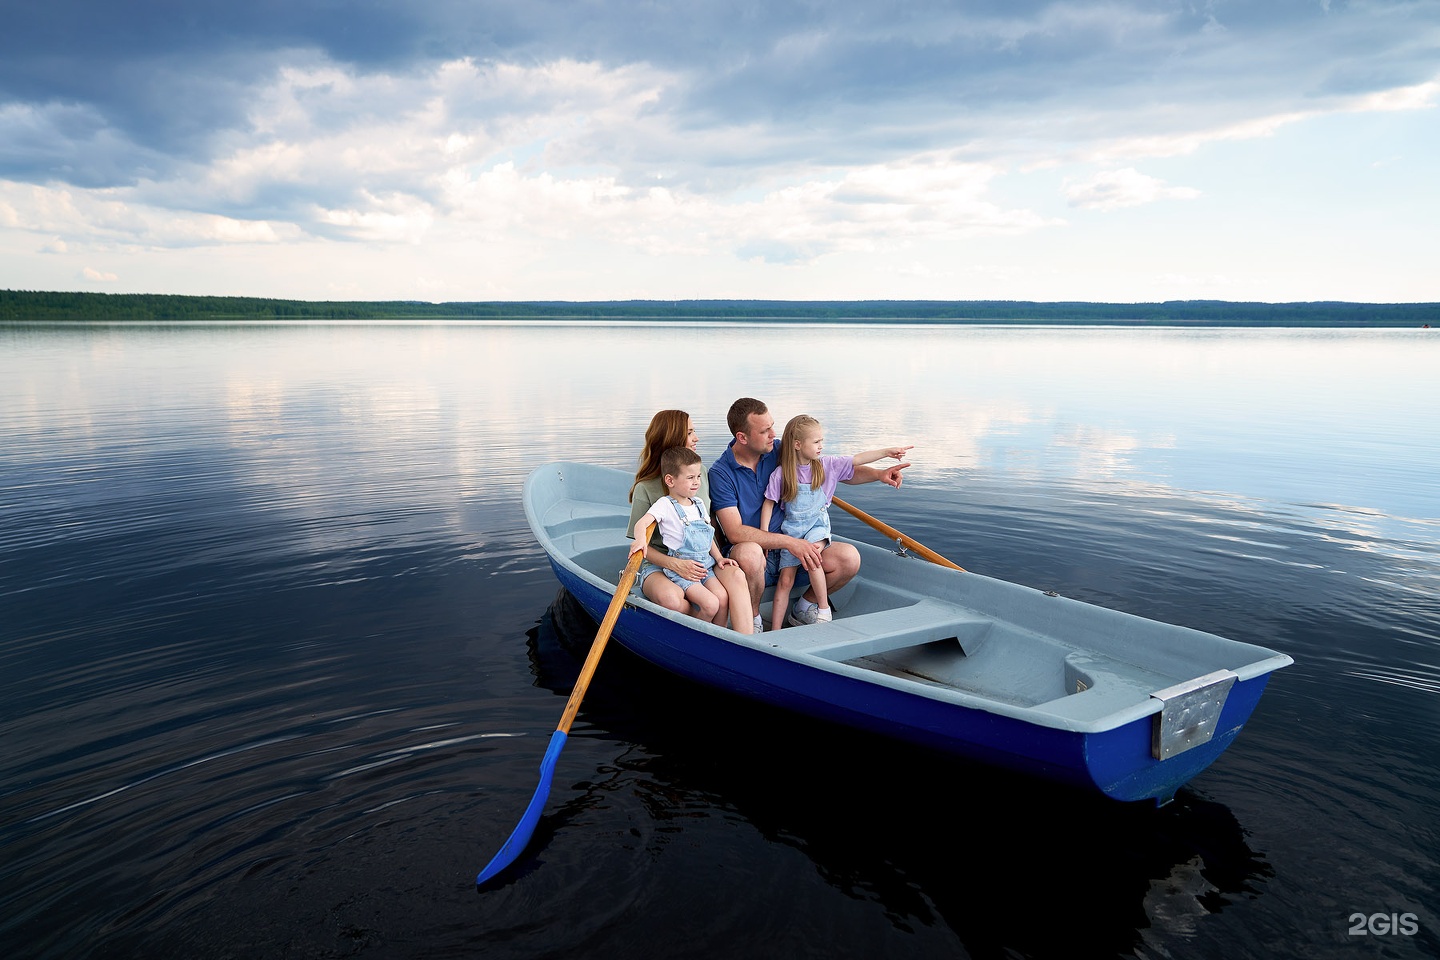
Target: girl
803, 485
687, 534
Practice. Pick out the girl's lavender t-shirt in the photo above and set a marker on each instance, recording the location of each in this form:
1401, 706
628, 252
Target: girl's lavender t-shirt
837, 470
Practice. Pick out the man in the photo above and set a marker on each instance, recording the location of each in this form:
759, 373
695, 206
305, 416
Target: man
737, 494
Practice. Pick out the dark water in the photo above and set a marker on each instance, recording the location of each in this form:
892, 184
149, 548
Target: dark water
279, 658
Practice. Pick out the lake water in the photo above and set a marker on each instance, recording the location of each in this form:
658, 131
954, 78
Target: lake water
279, 657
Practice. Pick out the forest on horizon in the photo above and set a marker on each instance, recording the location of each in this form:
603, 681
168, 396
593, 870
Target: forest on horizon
25, 306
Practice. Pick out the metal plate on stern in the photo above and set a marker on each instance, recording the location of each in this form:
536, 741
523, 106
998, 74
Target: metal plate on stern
1190, 713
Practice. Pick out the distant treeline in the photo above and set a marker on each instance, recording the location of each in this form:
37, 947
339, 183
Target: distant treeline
42, 307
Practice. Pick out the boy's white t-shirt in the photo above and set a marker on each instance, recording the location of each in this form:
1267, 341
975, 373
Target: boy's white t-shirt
672, 530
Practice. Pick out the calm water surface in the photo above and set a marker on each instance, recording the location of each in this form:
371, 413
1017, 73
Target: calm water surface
279, 657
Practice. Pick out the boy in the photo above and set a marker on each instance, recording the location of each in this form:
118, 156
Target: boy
687, 533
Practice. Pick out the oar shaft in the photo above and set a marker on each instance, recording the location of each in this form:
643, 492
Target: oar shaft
894, 534
622, 590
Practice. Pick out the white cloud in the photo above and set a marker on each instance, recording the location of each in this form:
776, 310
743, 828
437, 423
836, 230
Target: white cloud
894, 204
883, 205
98, 276
1182, 143
1421, 96
120, 218
1114, 189
397, 218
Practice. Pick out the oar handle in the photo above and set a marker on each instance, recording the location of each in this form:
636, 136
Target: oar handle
617, 603
894, 534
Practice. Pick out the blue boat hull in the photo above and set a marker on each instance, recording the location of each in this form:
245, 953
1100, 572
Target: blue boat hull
1116, 762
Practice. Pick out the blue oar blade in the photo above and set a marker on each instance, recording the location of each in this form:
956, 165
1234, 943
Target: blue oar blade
520, 836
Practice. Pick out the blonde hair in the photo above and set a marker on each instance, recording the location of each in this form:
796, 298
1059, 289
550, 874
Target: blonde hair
796, 430
668, 428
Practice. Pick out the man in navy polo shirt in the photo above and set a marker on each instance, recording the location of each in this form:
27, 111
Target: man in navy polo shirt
737, 493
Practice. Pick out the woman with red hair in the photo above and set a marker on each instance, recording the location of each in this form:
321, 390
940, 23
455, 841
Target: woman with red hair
674, 428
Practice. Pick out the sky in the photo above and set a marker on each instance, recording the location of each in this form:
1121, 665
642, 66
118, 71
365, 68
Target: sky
444, 150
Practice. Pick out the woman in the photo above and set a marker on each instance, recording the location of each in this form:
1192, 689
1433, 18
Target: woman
673, 428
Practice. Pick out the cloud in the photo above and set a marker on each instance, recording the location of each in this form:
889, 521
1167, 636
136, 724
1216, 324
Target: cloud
97, 276
70, 143
1417, 97
1114, 189
117, 219
1421, 96
868, 208
382, 158
892, 205
780, 133
728, 86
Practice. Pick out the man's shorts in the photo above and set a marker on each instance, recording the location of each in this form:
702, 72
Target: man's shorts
772, 569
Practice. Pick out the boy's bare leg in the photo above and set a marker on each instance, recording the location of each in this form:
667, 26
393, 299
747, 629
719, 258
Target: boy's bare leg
708, 603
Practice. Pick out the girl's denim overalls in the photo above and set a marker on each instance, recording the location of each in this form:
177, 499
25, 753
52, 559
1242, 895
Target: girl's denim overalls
807, 517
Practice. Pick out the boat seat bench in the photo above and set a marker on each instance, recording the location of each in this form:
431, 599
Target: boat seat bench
1097, 686
571, 516
866, 635
1091, 687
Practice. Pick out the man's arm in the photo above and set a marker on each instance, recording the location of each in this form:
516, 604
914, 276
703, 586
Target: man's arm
737, 532
889, 475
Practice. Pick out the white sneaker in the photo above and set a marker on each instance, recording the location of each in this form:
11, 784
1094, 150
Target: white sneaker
759, 623
798, 617
822, 615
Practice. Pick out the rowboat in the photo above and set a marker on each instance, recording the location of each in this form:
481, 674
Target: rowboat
1005, 674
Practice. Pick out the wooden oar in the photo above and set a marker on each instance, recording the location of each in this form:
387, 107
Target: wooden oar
526, 827
896, 535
